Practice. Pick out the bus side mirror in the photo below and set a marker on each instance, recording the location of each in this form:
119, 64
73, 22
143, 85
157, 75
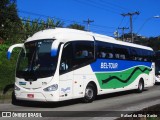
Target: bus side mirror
54, 48
11, 48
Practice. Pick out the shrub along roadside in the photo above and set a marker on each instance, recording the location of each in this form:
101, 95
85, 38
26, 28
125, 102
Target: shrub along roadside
7, 69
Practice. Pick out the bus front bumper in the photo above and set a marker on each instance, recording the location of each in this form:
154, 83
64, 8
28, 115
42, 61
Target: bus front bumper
35, 96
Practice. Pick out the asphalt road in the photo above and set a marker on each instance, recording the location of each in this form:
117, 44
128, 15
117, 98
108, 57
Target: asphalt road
110, 106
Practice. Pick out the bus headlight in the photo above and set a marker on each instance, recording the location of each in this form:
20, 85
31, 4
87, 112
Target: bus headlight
16, 88
53, 87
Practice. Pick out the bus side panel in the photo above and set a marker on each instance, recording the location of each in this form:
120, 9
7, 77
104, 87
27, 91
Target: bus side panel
82, 77
119, 74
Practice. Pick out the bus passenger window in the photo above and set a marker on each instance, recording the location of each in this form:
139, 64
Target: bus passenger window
79, 55
90, 55
121, 52
104, 50
110, 55
103, 54
122, 56
83, 53
117, 56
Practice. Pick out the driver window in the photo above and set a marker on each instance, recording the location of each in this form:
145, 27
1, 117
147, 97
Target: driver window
66, 59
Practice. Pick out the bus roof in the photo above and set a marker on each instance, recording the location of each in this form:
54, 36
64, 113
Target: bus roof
67, 34
63, 34
104, 38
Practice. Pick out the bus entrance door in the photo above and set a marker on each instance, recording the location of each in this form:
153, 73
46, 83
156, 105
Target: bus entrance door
65, 84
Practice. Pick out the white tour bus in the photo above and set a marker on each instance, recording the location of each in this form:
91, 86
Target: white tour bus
61, 64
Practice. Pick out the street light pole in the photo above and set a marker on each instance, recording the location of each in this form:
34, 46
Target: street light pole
157, 16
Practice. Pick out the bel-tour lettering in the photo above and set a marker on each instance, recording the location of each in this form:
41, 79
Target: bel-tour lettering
105, 65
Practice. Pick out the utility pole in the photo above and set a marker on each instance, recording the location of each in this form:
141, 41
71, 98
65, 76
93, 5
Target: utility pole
123, 28
131, 24
88, 23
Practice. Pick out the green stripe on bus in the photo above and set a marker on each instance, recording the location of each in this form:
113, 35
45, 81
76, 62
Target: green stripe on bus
120, 79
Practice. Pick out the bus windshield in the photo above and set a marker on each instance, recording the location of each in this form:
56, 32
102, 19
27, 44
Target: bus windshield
35, 61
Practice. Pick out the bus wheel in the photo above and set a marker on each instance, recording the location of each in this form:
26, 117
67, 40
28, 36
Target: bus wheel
13, 98
140, 86
90, 94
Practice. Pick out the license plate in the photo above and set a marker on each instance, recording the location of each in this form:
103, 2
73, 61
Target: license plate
30, 95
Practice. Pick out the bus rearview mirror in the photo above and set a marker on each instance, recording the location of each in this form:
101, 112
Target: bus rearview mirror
54, 48
9, 52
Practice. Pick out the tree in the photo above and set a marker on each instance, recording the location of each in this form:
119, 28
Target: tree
154, 42
32, 26
10, 23
76, 26
52, 23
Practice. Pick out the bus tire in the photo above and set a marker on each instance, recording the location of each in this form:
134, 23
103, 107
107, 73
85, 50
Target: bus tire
90, 94
140, 86
14, 100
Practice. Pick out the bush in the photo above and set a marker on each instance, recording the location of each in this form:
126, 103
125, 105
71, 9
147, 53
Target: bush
7, 67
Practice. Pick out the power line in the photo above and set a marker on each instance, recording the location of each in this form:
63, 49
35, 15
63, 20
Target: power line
65, 20
102, 27
102, 31
112, 4
102, 4
45, 16
131, 23
121, 22
96, 3
93, 4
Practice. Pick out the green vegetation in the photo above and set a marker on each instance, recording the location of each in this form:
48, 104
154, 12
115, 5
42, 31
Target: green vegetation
7, 67
7, 70
10, 22
76, 26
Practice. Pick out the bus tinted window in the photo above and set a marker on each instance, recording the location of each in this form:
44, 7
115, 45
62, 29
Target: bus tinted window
121, 52
83, 53
150, 56
104, 50
114, 51
141, 54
